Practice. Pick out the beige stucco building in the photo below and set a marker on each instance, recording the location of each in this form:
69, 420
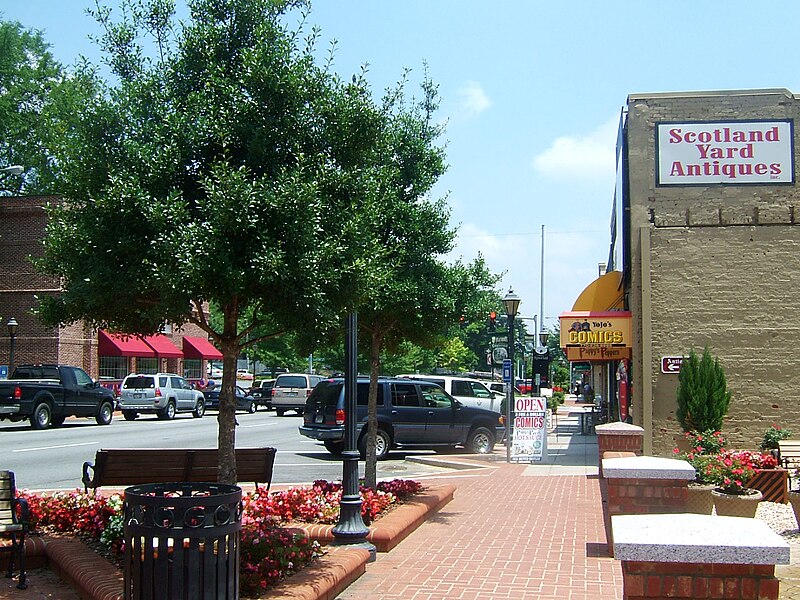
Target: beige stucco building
707, 210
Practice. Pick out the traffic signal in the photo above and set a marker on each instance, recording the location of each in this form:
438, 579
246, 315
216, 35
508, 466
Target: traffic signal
492, 321
462, 321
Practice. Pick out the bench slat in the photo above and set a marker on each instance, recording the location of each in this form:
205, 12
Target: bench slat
122, 466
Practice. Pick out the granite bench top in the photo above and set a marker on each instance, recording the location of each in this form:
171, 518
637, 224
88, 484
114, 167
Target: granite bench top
647, 467
691, 538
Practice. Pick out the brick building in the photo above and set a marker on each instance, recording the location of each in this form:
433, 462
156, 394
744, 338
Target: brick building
106, 356
708, 207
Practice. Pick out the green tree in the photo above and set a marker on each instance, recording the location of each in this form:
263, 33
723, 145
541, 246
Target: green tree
38, 100
225, 169
703, 396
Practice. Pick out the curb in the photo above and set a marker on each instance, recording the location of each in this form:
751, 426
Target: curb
388, 531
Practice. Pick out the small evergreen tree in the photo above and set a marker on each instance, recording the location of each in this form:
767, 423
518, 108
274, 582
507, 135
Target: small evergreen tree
703, 397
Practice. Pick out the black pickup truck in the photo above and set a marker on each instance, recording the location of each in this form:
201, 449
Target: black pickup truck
48, 394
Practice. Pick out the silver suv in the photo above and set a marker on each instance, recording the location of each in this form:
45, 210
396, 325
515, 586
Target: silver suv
291, 391
164, 394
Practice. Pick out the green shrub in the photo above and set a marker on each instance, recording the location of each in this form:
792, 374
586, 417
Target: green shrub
773, 435
703, 396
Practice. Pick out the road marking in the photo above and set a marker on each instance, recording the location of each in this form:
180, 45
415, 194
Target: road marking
257, 425
54, 447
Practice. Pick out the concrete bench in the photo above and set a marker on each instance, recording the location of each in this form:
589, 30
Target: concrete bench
131, 466
697, 556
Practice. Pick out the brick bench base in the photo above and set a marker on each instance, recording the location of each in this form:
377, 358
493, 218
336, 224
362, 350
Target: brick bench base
649, 580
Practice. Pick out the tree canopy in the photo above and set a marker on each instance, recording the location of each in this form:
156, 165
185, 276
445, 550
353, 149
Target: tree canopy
227, 167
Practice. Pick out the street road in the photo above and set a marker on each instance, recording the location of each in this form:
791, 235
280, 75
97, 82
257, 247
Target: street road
53, 458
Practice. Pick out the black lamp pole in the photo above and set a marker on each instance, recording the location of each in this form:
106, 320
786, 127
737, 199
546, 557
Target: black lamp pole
511, 302
350, 529
12, 334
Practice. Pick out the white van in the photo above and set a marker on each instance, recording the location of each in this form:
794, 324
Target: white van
470, 392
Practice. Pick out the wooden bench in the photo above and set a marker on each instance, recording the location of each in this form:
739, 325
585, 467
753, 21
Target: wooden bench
131, 466
789, 455
13, 525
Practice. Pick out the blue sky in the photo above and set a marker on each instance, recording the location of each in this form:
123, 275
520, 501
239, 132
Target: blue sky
531, 94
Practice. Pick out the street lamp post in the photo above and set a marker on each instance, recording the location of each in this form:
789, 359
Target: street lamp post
351, 530
12, 335
511, 302
12, 170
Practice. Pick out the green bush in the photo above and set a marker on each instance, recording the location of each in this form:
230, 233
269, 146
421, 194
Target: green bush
773, 435
703, 396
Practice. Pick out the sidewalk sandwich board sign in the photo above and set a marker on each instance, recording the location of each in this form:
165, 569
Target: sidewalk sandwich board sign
529, 429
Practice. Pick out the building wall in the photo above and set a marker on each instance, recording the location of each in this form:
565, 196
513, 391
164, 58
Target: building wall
713, 266
22, 225
23, 222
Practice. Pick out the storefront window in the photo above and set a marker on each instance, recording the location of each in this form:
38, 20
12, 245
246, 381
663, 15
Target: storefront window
192, 368
147, 365
113, 367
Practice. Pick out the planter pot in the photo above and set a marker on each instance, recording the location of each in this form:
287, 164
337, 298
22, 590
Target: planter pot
699, 499
794, 500
736, 505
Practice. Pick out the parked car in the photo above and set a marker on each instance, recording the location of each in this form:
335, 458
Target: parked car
472, 392
244, 401
48, 394
244, 375
291, 390
163, 394
262, 392
411, 413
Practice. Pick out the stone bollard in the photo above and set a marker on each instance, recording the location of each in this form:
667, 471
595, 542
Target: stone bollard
643, 485
618, 437
697, 556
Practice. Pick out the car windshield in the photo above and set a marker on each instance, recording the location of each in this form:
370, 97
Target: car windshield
138, 383
291, 381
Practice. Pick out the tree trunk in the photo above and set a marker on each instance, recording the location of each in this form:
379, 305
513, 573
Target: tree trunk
371, 466
226, 419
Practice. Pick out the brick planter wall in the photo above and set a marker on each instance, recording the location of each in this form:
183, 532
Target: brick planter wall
618, 437
698, 580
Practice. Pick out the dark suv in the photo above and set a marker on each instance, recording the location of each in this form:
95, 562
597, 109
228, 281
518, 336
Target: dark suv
410, 413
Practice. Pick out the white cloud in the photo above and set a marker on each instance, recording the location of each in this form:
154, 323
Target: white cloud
472, 100
590, 156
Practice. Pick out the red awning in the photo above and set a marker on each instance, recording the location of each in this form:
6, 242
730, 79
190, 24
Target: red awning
116, 344
197, 347
163, 346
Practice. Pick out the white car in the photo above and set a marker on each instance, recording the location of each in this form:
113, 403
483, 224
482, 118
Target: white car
164, 394
291, 390
470, 392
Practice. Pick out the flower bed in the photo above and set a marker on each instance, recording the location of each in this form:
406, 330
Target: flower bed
269, 551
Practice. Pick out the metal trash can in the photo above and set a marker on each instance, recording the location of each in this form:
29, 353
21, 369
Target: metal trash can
182, 541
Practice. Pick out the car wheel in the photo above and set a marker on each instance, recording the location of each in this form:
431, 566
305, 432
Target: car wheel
105, 414
279, 412
129, 415
251, 407
57, 421
383, 443
480, 441
40, 419
169, 412
335, 448
199, 409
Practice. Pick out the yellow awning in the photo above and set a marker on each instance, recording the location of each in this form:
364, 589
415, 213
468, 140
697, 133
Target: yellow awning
604, 293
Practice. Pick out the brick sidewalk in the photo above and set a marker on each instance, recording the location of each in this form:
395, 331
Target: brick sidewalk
508, 533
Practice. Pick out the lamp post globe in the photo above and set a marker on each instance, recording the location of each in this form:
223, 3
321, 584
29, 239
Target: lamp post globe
12, 334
